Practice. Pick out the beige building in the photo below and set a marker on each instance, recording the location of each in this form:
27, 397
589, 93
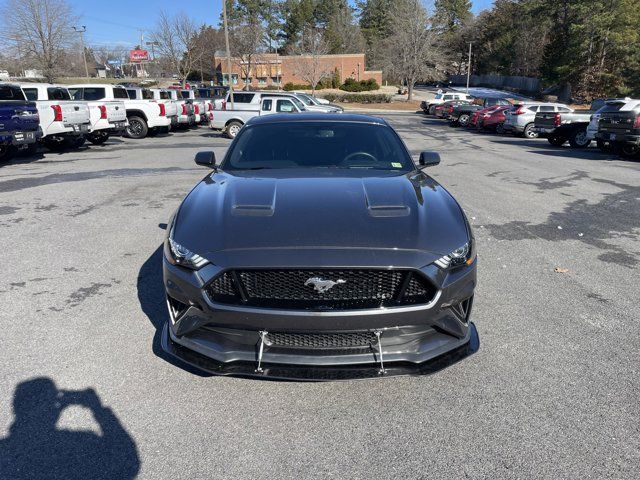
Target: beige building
270, 69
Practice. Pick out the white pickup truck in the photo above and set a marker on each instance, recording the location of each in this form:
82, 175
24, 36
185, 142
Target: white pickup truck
64, 122
186, 110
106, 116
231, 121
144, 116
168, 106
199, 104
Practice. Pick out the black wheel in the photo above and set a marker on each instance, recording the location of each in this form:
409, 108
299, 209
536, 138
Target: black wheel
55, 144
500, 128
137, 128
76, 142
30, 151
432, 110
99, 137
556, 140
629, 150
463, 120
7, 152
232, 129
578, 139
529, 132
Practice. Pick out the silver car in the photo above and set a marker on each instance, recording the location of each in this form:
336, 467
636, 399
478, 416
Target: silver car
520, 118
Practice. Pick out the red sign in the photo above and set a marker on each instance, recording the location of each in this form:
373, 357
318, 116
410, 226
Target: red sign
138, 55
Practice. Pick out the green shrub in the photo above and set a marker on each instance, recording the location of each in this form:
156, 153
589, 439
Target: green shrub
289, 86
351, 85
358, 97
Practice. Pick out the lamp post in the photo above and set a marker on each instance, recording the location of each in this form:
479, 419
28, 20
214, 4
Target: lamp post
469, 67
226, 41
84, 56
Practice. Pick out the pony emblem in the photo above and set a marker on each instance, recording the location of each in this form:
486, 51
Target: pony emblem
321, 285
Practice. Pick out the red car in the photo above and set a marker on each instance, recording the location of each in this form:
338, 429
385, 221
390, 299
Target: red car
473, 122
494, 120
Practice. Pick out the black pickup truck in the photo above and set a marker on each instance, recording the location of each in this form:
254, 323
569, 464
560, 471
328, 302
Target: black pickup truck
462, 113
560, 127
19, 121
619, 126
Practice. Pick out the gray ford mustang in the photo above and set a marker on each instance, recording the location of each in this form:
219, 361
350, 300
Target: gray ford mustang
317, 250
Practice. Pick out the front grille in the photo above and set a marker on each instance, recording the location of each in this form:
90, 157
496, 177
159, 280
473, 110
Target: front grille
321, 289
321, 340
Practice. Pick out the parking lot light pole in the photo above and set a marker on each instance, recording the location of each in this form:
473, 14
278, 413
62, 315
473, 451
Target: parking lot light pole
226, 41
84, 54
469, 67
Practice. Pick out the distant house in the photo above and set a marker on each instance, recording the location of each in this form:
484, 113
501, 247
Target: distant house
33, 73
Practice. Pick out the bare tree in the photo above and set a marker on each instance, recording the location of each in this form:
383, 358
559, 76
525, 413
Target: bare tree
311, 67
247, 43
40, 30
177, 39
412, 52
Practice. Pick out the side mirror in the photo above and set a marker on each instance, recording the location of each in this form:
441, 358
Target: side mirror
429, 159
206, 159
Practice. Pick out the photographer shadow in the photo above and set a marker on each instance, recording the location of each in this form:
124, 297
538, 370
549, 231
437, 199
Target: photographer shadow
36, 448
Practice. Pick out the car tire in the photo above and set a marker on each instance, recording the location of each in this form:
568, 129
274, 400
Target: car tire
578, 139
500, 129
99, 137
232, 129
7, 152
137, 128
529, 132
76, 142
432, 110
629, 151
556, 140
55, 144
463, 120
30, 151
603, 146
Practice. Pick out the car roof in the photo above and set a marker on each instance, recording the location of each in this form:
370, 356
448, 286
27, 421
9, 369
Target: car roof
317, 117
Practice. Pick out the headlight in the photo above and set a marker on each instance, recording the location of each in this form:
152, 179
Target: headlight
458, 257
179, 255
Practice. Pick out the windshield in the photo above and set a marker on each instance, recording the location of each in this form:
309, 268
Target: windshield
438, 96
322, 144
298, 103
58, 93
185, 93
304, 99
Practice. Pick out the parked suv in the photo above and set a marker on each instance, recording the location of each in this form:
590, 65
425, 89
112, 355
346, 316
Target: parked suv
521, 117
619, 125
430, 105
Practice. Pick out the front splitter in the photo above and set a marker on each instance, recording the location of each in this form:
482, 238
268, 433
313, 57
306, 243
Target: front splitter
318, 373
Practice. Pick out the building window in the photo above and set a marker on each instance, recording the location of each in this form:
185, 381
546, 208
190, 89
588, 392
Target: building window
262, 81
275, 80
225, 78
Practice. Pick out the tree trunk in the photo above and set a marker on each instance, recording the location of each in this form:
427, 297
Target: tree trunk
409, 90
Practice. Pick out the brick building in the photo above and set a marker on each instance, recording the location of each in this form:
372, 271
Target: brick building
269, 69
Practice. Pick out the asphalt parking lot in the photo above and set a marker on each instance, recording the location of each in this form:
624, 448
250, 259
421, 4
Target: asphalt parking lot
552, 393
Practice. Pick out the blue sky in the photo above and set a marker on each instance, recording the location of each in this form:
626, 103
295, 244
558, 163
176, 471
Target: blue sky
117, 21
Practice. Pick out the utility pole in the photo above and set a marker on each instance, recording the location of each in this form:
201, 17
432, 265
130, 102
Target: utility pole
469, 67
226, 41
84, 56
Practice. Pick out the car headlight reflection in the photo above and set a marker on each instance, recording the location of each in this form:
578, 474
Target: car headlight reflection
179, 255
460, 256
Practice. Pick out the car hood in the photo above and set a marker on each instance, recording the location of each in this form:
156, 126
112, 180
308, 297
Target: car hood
332, 217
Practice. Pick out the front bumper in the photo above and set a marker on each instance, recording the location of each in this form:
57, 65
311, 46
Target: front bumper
225, 339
